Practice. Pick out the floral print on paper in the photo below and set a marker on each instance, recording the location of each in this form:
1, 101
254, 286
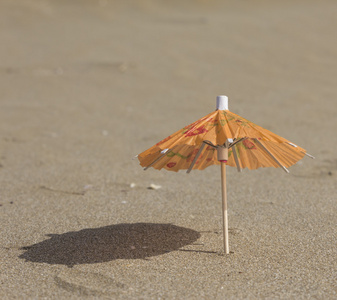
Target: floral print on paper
171, 164
248, 144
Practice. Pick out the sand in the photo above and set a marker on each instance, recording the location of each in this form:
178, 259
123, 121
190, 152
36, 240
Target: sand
86, 85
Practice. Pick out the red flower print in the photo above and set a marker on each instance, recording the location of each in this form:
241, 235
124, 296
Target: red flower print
171, 164
195, 131
248, 144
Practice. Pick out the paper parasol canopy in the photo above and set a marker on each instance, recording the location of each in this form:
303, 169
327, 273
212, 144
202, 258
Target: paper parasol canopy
254, 147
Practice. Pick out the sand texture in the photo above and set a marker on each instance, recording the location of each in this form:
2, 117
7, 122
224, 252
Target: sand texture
86, 85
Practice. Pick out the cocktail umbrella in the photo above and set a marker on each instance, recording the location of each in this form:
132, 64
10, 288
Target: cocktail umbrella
222, 138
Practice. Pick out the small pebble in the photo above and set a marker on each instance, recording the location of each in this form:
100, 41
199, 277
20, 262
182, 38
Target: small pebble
132, 185
88, 186
154, 187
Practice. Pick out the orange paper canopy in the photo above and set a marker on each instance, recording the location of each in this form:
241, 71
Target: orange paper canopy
255, 146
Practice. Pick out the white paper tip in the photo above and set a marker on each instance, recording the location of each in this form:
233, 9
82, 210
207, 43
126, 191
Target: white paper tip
222, 102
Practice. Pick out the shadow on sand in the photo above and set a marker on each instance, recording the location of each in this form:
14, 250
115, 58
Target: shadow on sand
121, 241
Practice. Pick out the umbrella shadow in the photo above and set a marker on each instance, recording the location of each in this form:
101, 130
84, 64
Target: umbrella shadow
103, 244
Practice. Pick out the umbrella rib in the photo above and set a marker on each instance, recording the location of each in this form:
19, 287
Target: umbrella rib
307, 154
196, 157
265, 149
157, 159
236, 159
237, 141
209, 144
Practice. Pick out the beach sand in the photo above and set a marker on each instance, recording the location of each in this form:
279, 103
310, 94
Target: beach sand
87, 85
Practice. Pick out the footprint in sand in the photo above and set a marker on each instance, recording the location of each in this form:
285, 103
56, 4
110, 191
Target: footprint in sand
87, 284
